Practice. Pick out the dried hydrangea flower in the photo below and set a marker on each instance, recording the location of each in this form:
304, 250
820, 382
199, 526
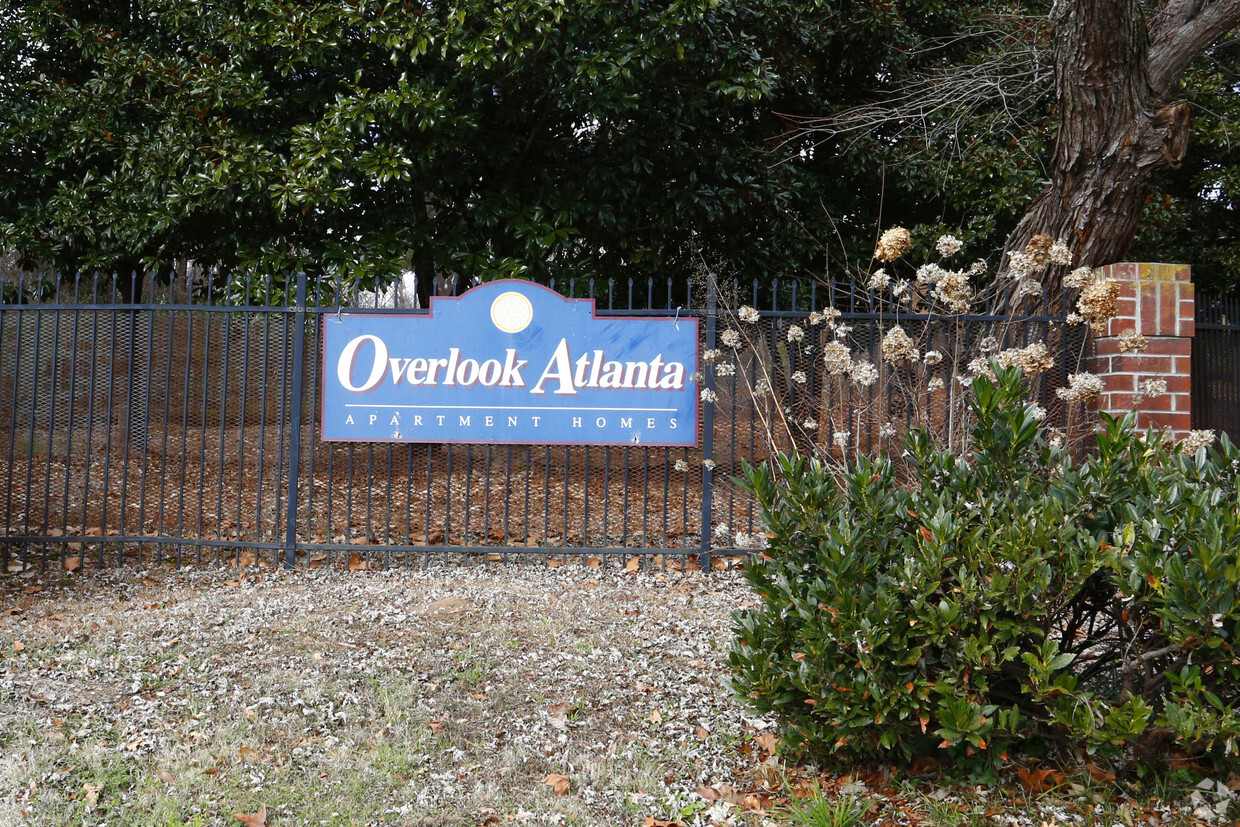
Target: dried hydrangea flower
796, 333
1059, 254
681, 465
954, 291
837, 357
897, 347
935, 384
1039, 248
708, 464
879, 281
1130, 341
799, 377
709, 395
1082, 387
1078, 278
930, 274
711, 355
840, 438
1020, 265
1195, 441
980, 366
762, 386
887, 430
988, 344
725, 369
842, 330
815, 318
731, 337
893, 244
747, 314
1036, 411
1075, 318
831, 315
1028, 287
932, 357
809, 424
1153, 386
863, 374
1098, 301
1032, 359
948, 245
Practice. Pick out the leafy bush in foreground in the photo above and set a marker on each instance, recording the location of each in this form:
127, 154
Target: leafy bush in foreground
1008, 596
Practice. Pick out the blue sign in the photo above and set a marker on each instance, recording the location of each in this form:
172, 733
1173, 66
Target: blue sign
510, 362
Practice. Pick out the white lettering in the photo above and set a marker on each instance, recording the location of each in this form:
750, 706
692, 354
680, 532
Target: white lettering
464, 420
512, 422
490, 420
649, 423
673, 425
440, 418
349, 420
536, 418
417, 366
398, 369
395, 419
489, 373
626, 422
373, 418
673, 377
512, 370
467, 373
417, 420
344, 368
600, 423
576, 422
560, 369
450, 372
612, 375
635, 374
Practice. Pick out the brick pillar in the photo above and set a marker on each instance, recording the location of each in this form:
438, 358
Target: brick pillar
1155, 300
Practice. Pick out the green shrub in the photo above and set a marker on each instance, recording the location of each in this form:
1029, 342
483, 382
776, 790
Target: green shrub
1009, 596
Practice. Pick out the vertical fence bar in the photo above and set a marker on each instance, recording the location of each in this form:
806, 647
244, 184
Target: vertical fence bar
294, 444
708, 423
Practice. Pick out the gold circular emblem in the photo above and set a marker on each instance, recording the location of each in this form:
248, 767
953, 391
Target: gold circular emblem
511, 312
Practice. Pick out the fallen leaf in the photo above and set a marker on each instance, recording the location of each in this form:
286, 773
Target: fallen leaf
91, 791
73, 563
1039, 781
651, 821
554, 562
358, 563
436, 726
32, 590
709, 793
258, 819
247, 754
559, 784
594, 562
656, 717
164, 776
18, 646
767, 741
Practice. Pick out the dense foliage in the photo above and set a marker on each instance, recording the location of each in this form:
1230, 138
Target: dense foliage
539, 138
1010, 596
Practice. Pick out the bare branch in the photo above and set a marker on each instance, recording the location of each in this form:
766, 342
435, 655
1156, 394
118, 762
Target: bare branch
1182, 32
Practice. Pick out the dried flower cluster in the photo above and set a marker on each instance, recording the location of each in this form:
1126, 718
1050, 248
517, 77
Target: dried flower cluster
1078, 278
1082, 387
948, 245
748, 314
954, 292
731, 337
897, 347
1032, 359
837, 357
796, 333
1098, 302
893, 244
1130, 341
1196, 440
1153, 386
864, 373
879, 281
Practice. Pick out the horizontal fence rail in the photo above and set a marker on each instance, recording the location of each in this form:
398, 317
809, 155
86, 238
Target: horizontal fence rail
178, 425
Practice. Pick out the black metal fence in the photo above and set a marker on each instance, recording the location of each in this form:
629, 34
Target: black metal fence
1216, 365
182, 429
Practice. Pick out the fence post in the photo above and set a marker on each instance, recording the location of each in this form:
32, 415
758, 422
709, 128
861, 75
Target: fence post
1156, 301
295, 391
708, 422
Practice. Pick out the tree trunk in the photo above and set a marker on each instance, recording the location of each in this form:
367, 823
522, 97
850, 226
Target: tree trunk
1118, 122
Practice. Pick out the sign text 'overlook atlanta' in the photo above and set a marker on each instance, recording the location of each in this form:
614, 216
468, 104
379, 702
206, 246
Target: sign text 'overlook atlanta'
510, 362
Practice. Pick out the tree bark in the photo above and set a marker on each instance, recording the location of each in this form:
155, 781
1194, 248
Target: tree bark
1119, 123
